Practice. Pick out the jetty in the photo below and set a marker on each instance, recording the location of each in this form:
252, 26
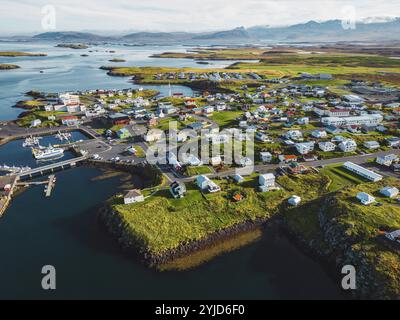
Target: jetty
40, 171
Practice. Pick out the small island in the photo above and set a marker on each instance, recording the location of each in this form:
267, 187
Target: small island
4, 66
117, 60
14, 54
75, 46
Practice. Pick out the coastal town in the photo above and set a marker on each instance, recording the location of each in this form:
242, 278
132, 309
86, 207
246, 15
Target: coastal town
313, 137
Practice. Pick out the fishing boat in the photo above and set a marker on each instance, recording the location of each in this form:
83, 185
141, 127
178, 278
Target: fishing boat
47, 153
30, 142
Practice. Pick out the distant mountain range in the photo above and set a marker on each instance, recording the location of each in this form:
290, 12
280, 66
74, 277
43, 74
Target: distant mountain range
372, 29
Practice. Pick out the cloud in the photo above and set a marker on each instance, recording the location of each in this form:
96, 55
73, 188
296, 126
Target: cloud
181, 15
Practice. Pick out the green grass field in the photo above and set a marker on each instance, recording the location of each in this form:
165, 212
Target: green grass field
195, 171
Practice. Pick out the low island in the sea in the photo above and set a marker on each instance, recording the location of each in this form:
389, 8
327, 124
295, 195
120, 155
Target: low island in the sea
76, 46
6, 66
14, 54
117, 60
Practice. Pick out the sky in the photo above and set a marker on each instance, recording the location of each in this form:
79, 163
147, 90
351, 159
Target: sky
27, 16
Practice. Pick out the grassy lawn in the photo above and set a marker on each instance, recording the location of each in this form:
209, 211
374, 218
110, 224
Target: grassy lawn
226, 118
162, 223
140, 152
340, 177
195, 171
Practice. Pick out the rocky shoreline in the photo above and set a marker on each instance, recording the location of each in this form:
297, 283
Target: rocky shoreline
129, 243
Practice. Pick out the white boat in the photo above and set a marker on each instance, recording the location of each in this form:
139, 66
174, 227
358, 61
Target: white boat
30, 142
47, 153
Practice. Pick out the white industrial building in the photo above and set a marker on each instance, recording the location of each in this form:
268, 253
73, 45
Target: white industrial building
370, 119
365, 173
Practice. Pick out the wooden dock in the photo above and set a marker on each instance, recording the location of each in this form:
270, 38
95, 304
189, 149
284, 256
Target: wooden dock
50, 185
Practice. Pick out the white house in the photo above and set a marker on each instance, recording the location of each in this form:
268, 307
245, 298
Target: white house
263, 137
238, 178
216, 161
327, 146
389, 192
266, 157
294, 201
153, 135
205, 184
319, 134
348, 145
133, 196
387, 160
303, 121
294, 135
365, 173
267, 180
246, 162
371, 145
365, 198
305, 147
36, 123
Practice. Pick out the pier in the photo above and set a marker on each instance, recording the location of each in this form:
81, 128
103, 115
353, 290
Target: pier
51, 168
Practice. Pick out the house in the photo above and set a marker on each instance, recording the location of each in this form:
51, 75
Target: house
365, 198
70, 121
266, 157
389, 192
393, 142
153, 135
118, 119
304, 147
327, 146
296, 168
351, 98
387, 160
294, 135
394, 236
124, 133
294, 201
133, 196
177, 189
196, 126
365, 173
216, 161
319, 134
332, 129
267, 180
303, 121
191, 160
371, 145
246, 162
205, 184
238, 178
263, 137
348, 146
208, 110
36, 123
287, 158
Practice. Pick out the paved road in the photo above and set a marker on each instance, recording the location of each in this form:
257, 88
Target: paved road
359, 159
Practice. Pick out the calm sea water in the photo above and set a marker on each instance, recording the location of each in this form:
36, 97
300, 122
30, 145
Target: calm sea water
64, 231
65, 70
